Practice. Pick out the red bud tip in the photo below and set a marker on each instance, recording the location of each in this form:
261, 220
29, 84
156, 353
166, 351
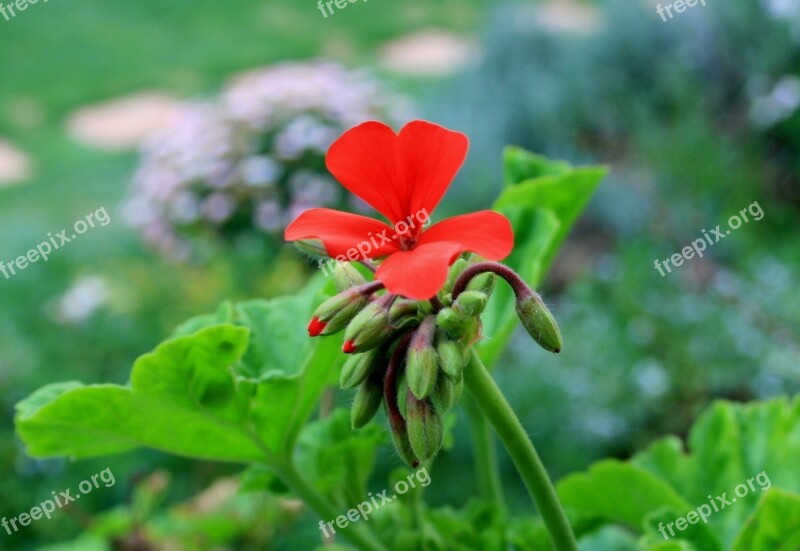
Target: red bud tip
348, 347
315, 327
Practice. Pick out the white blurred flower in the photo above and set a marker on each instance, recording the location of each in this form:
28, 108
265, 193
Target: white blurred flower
250, 162
217, 207
81, 300
783, 9
260, 170
268, 215
779, 104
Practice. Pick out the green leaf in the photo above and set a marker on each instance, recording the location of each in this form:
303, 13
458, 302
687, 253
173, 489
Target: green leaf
84, 543
542, 204
775, 525
180, 401
519, 165
607, 538
736, 453
618, 491
337, 459
238, 391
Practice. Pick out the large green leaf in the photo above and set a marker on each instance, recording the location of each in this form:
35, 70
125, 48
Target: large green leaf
736, 454
775, 526
237, 385
542, 201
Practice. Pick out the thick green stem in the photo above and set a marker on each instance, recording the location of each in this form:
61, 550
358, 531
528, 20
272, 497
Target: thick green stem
511, 432
488, 474
357, 534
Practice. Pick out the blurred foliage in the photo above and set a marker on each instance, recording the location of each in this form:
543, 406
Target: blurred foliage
694, 116
740, 473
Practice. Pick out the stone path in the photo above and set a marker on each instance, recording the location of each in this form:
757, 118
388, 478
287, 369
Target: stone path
15, 166
122, 123
427, 53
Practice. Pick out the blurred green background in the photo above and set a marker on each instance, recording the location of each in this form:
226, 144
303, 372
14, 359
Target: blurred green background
697, 118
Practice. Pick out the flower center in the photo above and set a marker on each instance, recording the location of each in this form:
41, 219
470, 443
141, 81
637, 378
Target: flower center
408, 240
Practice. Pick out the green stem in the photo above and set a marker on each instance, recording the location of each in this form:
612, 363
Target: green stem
511, 432
488, 474
358, 535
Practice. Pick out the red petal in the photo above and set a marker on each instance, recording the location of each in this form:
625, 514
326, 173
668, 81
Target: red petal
432, 155
348, 347
420, 272
486, 233
365, 160
398, 175
341, 232
315, 327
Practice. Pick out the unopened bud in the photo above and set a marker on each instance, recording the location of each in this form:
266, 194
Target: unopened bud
484, 283
425, 428
334, 314
346, 276
370, 328
422, 363
451, 358
452, 275
358, 367
402, 393
403, 308
471, 303
366, 403
538, 321
452, 322
447, 393
402, 444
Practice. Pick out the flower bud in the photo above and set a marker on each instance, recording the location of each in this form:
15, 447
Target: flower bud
447, 393
471, 303
402, 392
402, 308
421, 362
451, 358
455, 270
403, 446
358, 367
371, 327
538, 321
366, 403
425, 428
452, 322
482, 282
346, 276
334, 314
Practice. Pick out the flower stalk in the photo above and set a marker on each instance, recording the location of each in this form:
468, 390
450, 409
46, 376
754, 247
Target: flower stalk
512, 434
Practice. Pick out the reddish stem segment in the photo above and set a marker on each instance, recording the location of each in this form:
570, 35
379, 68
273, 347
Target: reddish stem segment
519, 287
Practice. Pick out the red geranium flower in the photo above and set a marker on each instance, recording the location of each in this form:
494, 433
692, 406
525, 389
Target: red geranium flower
402, 176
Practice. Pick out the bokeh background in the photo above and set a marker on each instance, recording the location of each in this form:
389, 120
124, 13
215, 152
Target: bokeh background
697, 118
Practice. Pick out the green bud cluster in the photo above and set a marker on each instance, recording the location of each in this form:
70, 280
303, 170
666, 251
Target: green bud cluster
410, 355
